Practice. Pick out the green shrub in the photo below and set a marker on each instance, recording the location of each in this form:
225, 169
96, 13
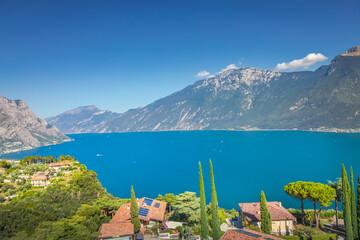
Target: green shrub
295, 237
324, 213
36, 187
330, 236
255, 228
13, 199
196, 230
148, 232
4, 187
12, 191
178, 228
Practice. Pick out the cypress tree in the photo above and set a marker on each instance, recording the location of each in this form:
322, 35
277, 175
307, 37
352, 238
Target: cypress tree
353, 206
347, 206
204, 231
358, 206
134, 212
265, 215
215, 208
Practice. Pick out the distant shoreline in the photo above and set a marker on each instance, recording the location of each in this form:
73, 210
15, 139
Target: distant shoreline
234, 130
29, 148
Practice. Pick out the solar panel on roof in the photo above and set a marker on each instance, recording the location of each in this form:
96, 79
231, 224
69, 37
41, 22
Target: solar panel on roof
148, 201
143, 212
41, 173
157, 205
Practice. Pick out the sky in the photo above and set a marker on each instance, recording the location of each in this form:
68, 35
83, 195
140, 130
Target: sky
117, 55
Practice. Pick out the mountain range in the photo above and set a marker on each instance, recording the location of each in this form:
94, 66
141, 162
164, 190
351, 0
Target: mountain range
85, 119
21, 129
241, 99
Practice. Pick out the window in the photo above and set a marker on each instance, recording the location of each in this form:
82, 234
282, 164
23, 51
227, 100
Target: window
287, 223
279, 223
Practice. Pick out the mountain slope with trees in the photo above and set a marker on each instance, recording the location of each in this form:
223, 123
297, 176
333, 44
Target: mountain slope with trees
250, 98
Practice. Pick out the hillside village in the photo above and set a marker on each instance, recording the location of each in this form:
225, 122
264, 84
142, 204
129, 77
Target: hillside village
32, 173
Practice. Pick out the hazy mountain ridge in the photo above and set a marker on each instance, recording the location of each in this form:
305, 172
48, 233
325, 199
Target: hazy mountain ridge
82, 119
250, 98
21, 129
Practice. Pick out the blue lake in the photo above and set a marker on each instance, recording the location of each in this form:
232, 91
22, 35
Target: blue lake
244, 162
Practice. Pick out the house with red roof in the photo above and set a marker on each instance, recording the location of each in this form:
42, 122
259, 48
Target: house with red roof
151, 211
41, 179
283, 221
57, 166
123, 231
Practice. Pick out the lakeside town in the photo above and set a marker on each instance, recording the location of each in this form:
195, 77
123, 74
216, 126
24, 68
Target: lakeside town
183, 216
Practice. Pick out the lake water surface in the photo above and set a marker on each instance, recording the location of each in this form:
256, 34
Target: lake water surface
244, 162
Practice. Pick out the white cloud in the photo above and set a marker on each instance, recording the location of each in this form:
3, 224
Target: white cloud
203, 73
231, 66
304, 63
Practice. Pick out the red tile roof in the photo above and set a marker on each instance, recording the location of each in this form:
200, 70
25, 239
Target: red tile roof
123, 213
42, 174
277, 211
38, 178
246, 234
59, 164
110, 230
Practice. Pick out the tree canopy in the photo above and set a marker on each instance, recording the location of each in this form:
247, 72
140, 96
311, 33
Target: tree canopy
317, 193
169, 198
299, 191
188, 205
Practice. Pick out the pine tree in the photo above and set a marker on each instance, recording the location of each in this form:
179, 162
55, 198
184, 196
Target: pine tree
135, 212
347, 206
204, 231
353, 206
265, 215
214, 208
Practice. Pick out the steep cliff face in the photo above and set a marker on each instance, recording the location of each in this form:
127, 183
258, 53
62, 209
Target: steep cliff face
21, 129
250, 98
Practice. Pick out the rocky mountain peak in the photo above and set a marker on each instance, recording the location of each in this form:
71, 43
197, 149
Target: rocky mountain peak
21, 129
233, 79
89, 108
